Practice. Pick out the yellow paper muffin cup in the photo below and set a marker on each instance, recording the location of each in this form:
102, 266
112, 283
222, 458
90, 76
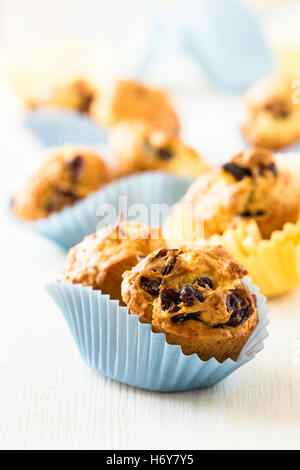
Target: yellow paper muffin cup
273, 265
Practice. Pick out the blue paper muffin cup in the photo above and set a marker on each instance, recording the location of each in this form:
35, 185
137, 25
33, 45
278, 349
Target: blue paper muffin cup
68, 227
53, 127
118, 346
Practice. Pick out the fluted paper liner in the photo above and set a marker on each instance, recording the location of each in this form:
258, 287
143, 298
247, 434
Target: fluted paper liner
69, 226
273, 264
53, 127
118, 346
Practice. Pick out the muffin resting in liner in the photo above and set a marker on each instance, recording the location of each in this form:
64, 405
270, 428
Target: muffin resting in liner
251, 206
271, 117
118, 346
70, 225
66, 175
195, 297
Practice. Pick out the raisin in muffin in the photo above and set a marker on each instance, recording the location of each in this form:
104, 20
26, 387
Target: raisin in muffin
132, 101
271, 119
101, 258
76, 95
67, 175
249, 187
196, 297
137, 146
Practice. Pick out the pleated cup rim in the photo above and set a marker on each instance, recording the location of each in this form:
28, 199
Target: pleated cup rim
93, 196
260, 329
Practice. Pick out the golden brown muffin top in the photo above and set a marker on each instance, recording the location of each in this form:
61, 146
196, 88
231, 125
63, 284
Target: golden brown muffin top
75, 95
66, 175
89, 261
271, 118
138, 146
271, 95
128, 100
250, 186
183, 282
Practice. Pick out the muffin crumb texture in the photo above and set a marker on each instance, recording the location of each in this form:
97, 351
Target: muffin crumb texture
138, 146
128, 100
270, 118
196, 297
249, 187
101, 258
67, 175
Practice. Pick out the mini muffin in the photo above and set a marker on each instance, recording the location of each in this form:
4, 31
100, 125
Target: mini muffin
137, 146
101, 258
67, 175
76, 95
249, 187
196, 298
271, 119
132, 101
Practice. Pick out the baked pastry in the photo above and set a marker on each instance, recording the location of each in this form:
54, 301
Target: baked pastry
249, 187
76, 95
271, 118
137, 146
196, 297
128, 100
101, 258
67, 175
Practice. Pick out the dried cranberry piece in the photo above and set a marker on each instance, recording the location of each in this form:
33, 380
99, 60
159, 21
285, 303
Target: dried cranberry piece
173, 308
169, 298
278, 108
239, 317
272, 168
165, 153
76, 166
188, 294
60, 199
168, 269
66, 193
258, 213
205, 281
150, 285
161, 253
233, 301
240, 308
237, 171
182, 317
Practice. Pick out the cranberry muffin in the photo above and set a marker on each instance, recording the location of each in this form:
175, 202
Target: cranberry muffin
102, 257
249, 187
271, 119
137, 146
67, 175
76, 95
196, 297
128, 100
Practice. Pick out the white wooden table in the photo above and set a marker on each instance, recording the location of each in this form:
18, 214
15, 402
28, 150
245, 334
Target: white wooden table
50, 399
